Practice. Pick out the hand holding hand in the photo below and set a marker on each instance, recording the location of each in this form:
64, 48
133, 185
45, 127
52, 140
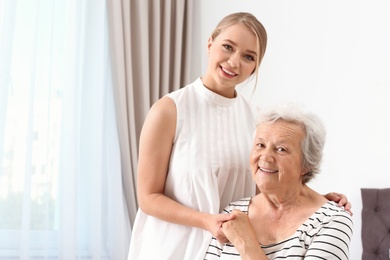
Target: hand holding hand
239, 231
241, 234
216, 226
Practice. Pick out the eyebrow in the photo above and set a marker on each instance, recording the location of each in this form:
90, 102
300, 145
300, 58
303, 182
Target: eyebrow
283, 141
233, 43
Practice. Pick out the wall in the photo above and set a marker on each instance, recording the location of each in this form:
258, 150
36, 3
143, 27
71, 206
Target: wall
333, 56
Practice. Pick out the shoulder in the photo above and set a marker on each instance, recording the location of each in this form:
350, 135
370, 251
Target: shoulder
242, 205
331, 210
330, 233
160, 120
329, 218
163, 111
185, 91
335, 218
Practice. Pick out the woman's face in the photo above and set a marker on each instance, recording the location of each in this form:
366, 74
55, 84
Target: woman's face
232, 59
276, 157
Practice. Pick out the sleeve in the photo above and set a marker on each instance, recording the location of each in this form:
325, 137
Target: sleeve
242, 204
333, 239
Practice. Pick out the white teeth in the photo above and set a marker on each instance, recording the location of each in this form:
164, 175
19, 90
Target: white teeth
228, 72
265, 170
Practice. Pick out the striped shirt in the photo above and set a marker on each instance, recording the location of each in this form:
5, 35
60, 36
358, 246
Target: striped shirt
325, 235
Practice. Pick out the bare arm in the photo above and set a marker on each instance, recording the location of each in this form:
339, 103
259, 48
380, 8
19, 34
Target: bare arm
155, 149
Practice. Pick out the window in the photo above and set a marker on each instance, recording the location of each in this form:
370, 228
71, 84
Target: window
60, 178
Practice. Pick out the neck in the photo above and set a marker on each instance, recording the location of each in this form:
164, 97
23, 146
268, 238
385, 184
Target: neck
225, 91
288, 201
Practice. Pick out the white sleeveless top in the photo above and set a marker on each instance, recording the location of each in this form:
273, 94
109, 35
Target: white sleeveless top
209, 167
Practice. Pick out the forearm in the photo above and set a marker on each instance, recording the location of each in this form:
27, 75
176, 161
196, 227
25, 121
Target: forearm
160, 206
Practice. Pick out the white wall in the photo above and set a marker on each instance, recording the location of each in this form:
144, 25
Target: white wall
333, 56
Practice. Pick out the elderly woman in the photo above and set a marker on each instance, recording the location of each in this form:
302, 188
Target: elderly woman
287, 219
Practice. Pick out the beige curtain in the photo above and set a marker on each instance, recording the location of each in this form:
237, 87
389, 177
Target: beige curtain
151, 46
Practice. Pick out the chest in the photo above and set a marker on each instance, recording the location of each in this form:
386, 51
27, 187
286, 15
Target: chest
273, 232
274, 229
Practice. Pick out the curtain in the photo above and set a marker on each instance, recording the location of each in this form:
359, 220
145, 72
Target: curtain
61, 189
150, 44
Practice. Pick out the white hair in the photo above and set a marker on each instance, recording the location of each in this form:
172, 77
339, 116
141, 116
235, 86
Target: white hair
313, 142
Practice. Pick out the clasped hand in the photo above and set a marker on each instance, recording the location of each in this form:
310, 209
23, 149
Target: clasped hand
231, 227
239, 230
216, 226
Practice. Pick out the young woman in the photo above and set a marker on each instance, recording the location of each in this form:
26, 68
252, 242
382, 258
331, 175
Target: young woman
194, 150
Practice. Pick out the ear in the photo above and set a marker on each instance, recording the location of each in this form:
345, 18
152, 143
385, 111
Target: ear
209, 43
304, 171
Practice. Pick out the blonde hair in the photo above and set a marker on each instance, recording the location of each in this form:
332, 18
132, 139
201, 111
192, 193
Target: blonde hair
251, 22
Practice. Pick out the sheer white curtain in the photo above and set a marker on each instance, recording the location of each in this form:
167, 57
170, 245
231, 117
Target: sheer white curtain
61, 194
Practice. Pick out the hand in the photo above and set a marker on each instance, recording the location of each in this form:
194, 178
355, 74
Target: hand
241, 234
341, 199
215, 226
239, 230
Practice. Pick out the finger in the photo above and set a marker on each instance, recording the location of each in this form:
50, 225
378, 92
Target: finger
333, 196
348, 207
232, 216
223, 240
343, 202
235, 212
227, 217
337, 196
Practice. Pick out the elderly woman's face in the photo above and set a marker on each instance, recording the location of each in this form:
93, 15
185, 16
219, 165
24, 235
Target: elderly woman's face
276, 157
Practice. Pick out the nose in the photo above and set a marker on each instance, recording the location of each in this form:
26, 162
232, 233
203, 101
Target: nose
261, 157
266, 156
234, 61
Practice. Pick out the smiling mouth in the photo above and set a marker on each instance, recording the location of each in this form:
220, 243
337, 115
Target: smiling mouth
228, 72
267, 170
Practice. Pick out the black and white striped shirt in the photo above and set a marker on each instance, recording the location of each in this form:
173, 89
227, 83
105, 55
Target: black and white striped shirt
325, 235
